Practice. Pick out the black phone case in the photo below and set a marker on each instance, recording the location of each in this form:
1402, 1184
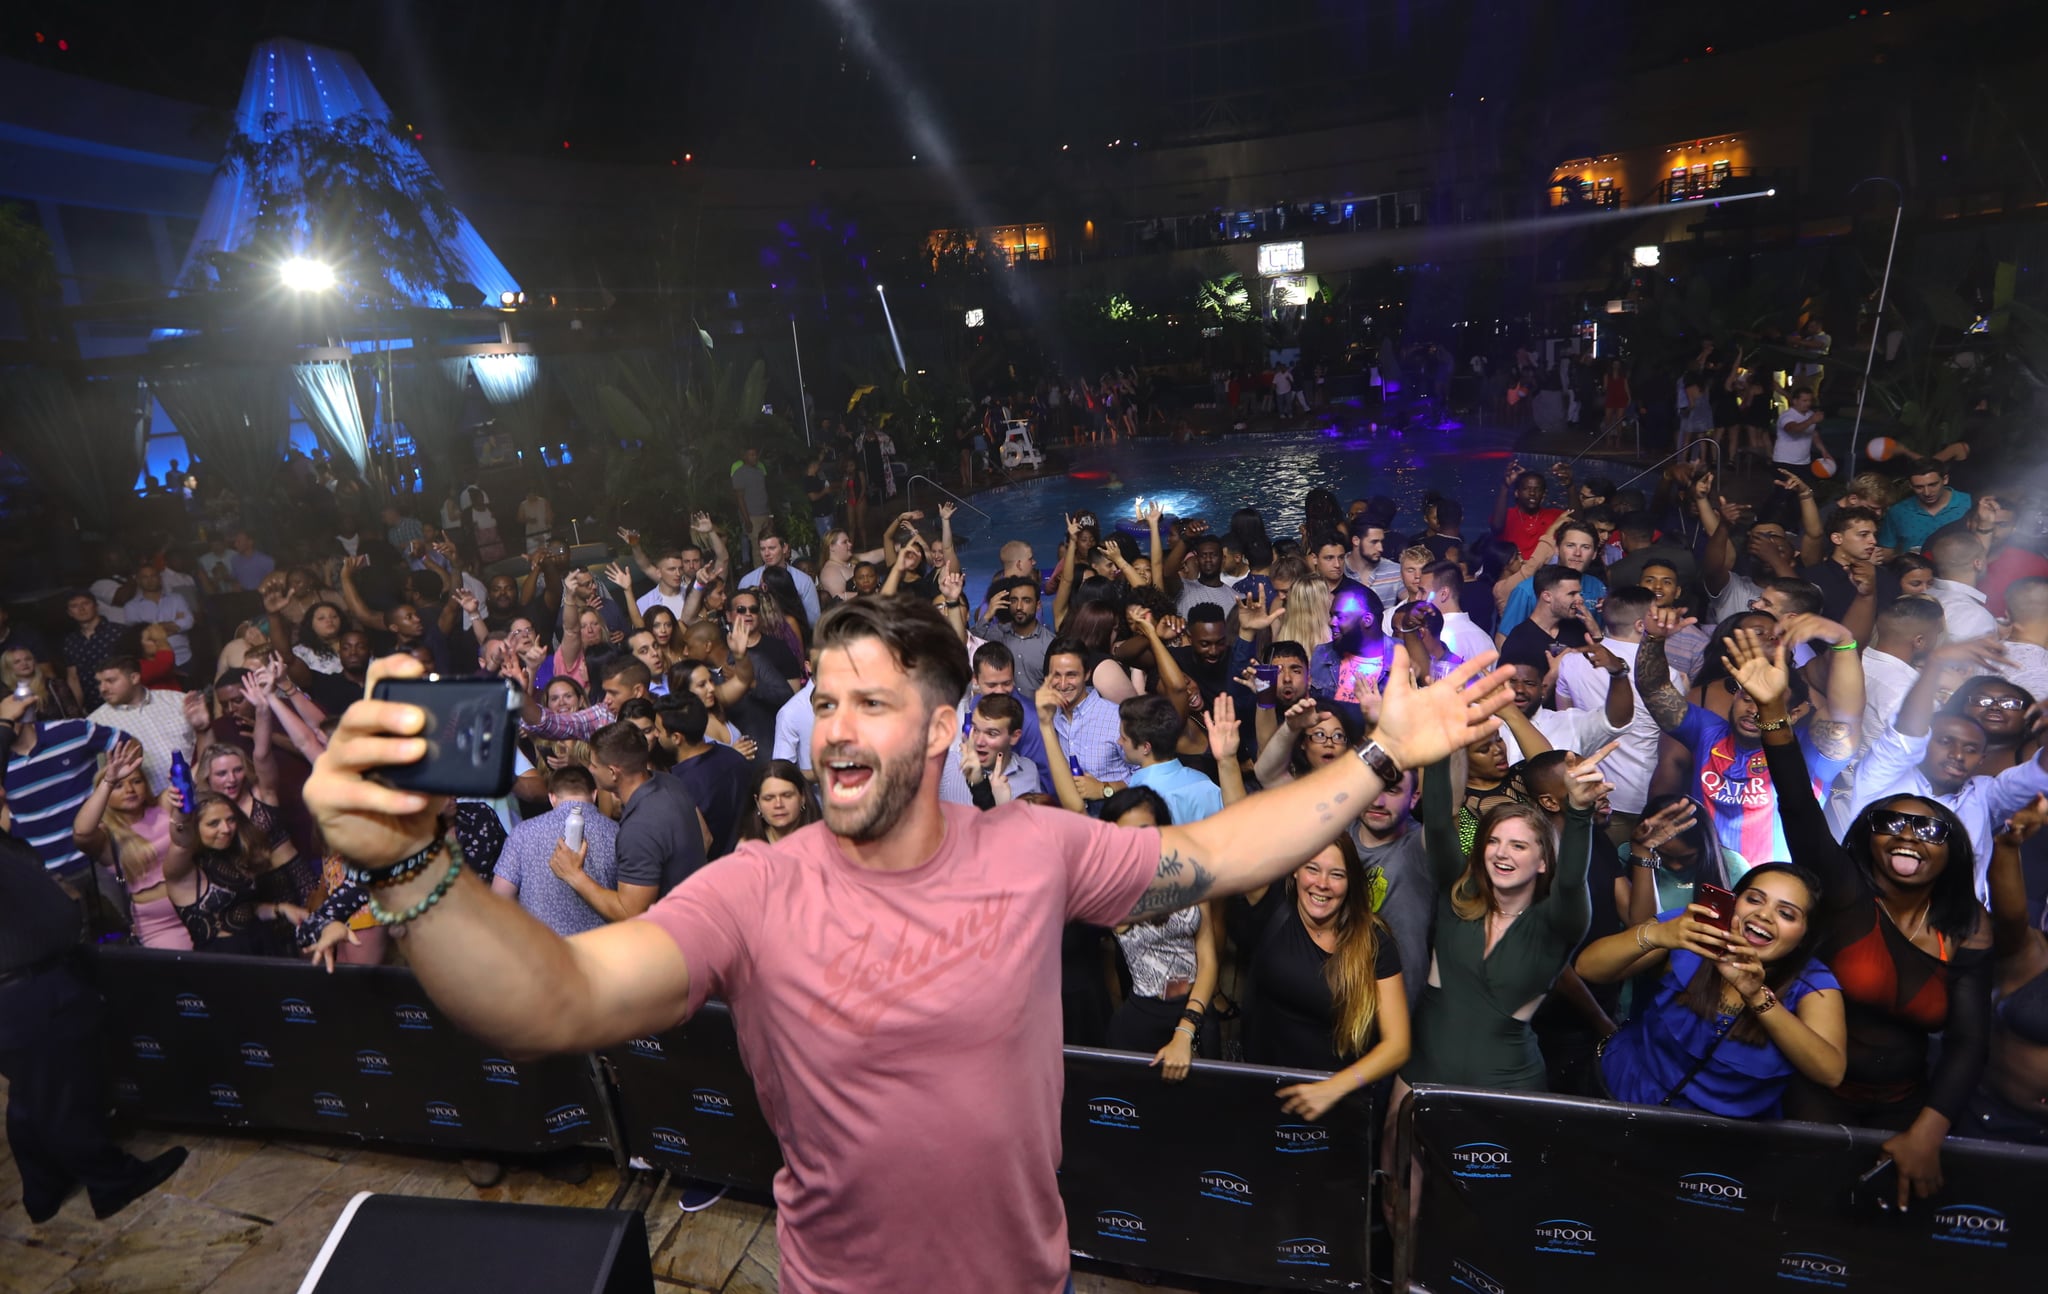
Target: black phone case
472, 735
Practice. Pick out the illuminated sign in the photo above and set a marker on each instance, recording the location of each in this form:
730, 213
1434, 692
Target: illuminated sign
1281, 258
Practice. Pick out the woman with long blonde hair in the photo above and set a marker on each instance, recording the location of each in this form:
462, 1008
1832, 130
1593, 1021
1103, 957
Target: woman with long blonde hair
1324, 989
1305, 612
122, 826
53, 699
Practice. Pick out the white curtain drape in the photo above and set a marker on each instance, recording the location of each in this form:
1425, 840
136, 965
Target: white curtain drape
512, 385
326, 393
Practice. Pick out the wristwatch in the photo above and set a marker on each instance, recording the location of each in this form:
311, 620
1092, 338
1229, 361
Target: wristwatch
1375, 757
1769, 1003
1648, 858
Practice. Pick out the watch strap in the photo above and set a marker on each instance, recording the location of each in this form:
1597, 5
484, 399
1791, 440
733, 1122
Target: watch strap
1375, 757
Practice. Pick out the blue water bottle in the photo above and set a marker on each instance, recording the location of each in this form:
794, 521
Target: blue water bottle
1074, 767
181, 778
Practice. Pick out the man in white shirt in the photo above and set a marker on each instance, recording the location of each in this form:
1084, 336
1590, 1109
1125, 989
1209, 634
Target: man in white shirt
1444, 584
1936, 756
774, 550
166, 723
1958, 558
1583, 731
1905, 632
793, 725
153, 604
1798, 425
671, 575
1586, 685
2026, 651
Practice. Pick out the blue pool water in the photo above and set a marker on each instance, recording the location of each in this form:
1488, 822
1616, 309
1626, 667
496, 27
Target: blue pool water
1210, 479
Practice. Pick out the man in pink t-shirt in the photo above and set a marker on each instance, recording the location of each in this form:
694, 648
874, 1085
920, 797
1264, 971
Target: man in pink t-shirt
893, 971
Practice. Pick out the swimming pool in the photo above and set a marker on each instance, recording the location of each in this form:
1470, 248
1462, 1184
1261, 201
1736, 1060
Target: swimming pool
1211, 479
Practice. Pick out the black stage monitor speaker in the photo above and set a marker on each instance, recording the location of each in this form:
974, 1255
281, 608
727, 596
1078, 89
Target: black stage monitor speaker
407, 1244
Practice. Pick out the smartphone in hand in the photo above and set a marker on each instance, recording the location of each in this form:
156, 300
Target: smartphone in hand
472, 734
1721, 901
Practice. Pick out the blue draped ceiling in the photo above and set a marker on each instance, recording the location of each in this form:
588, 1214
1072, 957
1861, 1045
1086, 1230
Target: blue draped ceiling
292, 83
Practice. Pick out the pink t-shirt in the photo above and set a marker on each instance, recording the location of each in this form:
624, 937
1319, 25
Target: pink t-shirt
903, 1031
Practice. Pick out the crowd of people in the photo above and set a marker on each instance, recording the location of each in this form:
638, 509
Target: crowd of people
1751, 837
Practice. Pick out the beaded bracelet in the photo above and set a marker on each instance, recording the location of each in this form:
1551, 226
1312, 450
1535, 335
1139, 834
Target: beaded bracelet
402, 870
419, 909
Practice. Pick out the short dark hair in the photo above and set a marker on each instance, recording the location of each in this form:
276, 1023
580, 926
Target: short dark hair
638, 707
572, 779
620, 745
770, 532
1601, 486
1926, 467
1258, 551
1843, 517
1549, 577
1205, 540
1065, 645
1151, 720
1010, 582
1003, 708
1131, 797
1441, 574
129, 665
1203, 613
632, 672
994, 655
1798, 391
1803, 596
1324, 538
1449, 512
1288, 648
685, 716
917, 636
1627, 602
1912, 612
1636, 524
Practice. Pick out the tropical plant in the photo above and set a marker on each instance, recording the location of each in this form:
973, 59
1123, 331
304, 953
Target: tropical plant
352, 192
28, 270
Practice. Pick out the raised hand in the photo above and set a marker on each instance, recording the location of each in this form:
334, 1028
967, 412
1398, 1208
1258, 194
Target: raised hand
970, 760
1514, 472
1223, 727
1421, 725
1790, 481
1046, 702
1806, 627
1584, 782
1073, 525
124, 761
736, 640
2021, 826
946, 510
365, 821
618, 575
1301, 716
1703, 486
1255, 611
952, 584
1863, 577
1760, 673
630, 537
1666, 824
1662, 622
466, 599
700, 523
193, 705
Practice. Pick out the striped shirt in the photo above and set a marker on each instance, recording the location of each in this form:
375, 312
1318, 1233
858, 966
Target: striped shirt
46, 786
158, 722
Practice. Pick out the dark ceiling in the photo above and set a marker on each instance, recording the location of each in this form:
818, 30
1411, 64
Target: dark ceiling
775, 82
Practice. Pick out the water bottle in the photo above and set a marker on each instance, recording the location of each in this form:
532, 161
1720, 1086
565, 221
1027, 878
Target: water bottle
181, 778
572, 834
1074, 767
23, 692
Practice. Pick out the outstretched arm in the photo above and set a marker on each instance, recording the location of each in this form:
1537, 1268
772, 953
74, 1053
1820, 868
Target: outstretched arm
1257, 841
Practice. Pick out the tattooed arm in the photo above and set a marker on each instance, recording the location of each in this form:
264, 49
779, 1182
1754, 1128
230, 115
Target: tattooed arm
1667, 705
1259, 840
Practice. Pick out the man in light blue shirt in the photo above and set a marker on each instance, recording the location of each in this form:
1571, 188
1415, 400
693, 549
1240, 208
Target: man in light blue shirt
526, 870
774, 550
1150, 732
1912, 521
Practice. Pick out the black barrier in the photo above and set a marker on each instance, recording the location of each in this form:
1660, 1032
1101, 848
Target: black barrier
1524, 1192
271, 1044
1206, 1177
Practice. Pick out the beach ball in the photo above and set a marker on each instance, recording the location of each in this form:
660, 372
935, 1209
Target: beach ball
1824, 468
1883, 448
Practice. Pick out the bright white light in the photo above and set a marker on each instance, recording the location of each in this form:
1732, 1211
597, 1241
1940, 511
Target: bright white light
1281, 258
507, 298
303, 275
975, 318
1648, 256
1770, 193
878, 287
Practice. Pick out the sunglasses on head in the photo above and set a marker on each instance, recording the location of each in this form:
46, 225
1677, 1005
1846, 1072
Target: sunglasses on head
1910, 826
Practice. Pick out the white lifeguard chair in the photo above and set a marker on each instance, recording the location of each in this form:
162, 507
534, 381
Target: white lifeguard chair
1017, 450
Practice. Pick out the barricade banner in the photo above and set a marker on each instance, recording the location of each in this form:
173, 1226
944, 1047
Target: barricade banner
1210, 1177
1525, 1192
270, 1044
1206, 1177
686, 1103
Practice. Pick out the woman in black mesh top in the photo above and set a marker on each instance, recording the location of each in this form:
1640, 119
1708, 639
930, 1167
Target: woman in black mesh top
1904, 934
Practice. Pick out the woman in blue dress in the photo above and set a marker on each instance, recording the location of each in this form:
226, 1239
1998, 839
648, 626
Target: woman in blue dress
1736, 1013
